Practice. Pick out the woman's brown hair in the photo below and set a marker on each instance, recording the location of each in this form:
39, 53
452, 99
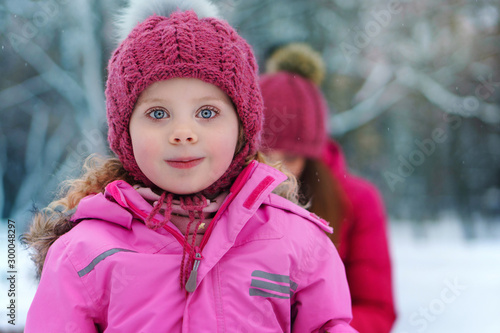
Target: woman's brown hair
323, 194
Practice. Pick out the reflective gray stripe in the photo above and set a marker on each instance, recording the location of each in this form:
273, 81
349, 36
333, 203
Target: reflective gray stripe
98, 259
270, 286
284, 289
272, 277
257, 292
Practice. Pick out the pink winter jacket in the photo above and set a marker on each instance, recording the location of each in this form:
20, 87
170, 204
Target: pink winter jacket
266, 266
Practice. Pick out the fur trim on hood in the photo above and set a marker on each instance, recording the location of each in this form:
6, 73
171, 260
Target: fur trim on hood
43, 232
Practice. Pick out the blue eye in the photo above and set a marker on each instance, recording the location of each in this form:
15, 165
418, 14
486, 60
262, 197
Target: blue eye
158, 114
207, 113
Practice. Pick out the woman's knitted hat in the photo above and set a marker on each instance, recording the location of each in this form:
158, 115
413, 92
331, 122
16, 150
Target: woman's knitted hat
182, 44
295, 109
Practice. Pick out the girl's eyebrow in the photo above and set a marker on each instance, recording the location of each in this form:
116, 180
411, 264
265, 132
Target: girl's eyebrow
223, 99
149, 100
198, 99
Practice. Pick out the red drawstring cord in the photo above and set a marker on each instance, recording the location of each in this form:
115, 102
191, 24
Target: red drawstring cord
164, 199
192, 205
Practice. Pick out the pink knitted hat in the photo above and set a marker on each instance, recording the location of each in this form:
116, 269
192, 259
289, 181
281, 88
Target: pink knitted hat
295, 109
177, 46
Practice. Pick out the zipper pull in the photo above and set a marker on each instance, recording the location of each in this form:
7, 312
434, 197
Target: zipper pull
191, 282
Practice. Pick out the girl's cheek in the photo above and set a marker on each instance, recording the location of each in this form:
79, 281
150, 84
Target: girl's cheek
144, 145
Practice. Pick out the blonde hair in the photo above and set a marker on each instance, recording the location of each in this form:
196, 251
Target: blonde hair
54, 221
289, 189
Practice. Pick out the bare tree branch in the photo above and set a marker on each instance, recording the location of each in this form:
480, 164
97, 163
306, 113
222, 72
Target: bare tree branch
467, 106
363, 112
23, 91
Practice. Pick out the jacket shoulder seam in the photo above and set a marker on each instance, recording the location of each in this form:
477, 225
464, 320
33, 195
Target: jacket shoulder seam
279, 202
80, 281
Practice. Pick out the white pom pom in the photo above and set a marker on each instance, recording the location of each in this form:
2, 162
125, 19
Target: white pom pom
139, 10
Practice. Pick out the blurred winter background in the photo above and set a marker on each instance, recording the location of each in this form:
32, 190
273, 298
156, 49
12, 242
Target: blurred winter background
414, 92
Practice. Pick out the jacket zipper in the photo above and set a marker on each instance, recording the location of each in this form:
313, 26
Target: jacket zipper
193, 276
224, 206
191, 283
208, 232
172, 231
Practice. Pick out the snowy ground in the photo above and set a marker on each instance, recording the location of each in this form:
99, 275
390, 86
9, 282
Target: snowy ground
442, 283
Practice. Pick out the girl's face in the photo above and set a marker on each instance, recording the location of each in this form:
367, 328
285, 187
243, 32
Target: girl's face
184, 134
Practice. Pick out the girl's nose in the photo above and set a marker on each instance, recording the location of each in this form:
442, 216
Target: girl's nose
183, 135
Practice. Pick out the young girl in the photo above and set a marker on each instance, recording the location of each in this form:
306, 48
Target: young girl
182, 232
295, 133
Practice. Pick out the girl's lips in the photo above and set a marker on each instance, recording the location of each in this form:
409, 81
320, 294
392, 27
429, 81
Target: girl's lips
184, 163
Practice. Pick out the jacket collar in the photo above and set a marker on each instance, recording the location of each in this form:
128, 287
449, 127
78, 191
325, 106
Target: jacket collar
120, 202
334, 158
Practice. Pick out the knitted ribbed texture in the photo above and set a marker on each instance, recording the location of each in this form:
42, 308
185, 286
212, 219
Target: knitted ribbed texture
182, 45
295, 114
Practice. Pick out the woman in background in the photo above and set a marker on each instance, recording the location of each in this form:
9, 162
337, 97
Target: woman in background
295, 133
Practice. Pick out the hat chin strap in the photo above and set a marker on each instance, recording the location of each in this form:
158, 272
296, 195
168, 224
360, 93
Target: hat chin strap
193, 205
